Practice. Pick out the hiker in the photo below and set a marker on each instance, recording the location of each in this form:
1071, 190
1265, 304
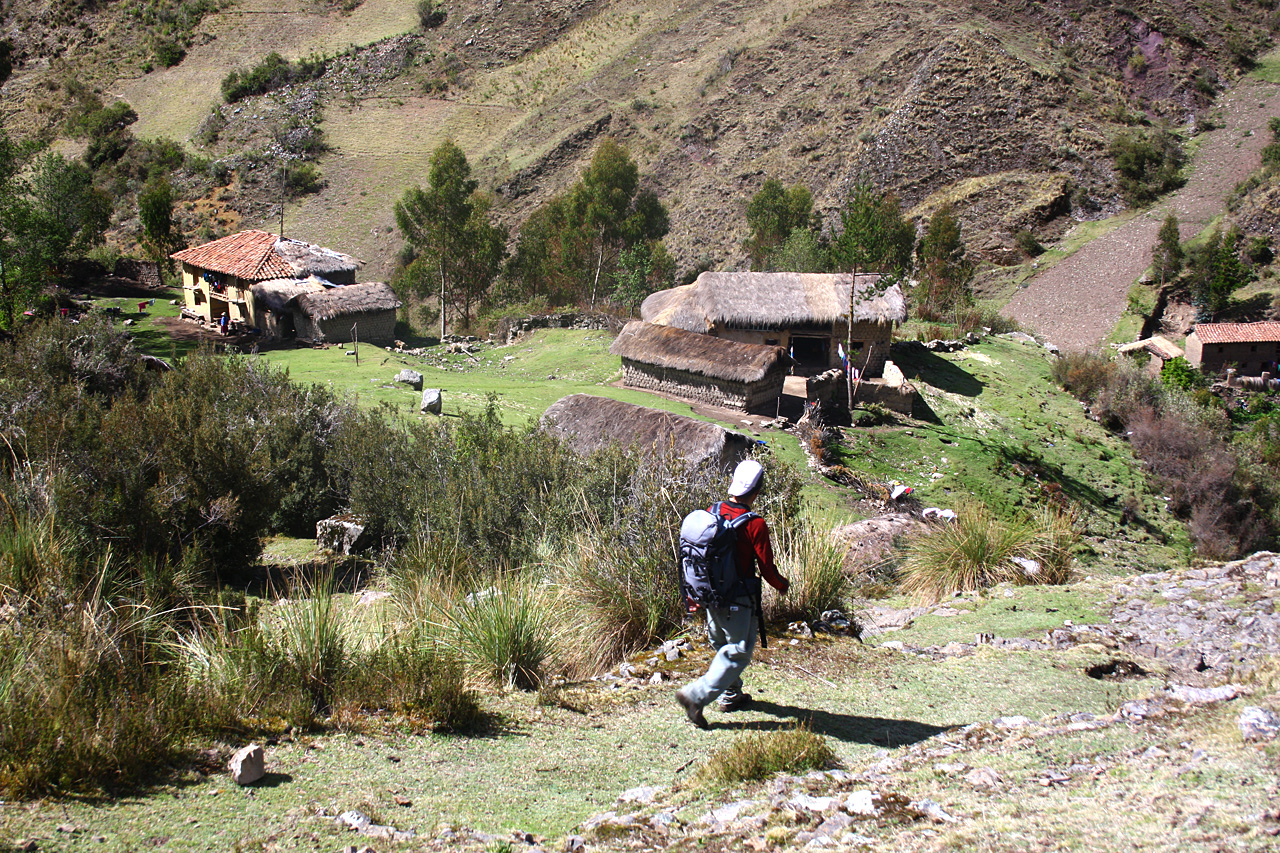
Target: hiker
733, 629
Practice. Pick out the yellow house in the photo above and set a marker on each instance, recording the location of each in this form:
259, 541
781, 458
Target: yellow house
216, 276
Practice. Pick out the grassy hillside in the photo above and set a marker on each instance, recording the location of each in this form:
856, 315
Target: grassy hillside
1006, 107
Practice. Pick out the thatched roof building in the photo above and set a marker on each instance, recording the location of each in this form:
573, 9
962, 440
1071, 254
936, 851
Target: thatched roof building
702, 368
588, 424
329, 315
806, 313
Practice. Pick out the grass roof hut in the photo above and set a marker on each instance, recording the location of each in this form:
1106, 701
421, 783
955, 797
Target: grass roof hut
588, 424
364, 311
701, 368
805, 313
270, 303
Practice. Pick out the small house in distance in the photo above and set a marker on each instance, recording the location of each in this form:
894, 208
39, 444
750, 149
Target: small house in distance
217, 276
1159, 348
806, 314
1251, 348
364, 312
701, 368
588, 424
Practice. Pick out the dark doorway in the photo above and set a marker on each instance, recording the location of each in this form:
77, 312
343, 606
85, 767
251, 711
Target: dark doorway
811, 354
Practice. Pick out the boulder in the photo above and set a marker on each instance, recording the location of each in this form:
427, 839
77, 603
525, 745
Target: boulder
248, 765
1258, 724
432, 401
412, 378
342, 534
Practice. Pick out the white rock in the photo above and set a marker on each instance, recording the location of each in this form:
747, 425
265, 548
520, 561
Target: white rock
1012, 722
862, 803
644, 795
248, 765
432, 401
812, 804
355, 820
1204, 695
934, 811
1257, 724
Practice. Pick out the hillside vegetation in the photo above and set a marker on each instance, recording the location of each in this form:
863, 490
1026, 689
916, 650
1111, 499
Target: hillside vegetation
1006, 108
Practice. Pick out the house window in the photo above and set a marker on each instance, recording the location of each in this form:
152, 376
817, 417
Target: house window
1219, 349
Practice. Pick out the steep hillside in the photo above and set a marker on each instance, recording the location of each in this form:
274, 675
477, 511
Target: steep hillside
1005, 107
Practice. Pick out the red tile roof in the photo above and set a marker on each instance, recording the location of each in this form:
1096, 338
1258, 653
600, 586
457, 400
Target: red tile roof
1237, 333
249, 255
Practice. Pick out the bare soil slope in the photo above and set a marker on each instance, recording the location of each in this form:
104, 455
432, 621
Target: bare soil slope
1077, 302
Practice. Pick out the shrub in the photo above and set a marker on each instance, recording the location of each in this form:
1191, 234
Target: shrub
756, 756
83, 701
273, 72
979, 550
168, 52
430, 14
504, 631
1027, 242
1083, 374
1178, 373
811, 560
303, 179
1147, 165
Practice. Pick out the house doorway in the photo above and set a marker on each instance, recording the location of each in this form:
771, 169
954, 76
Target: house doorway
812, 354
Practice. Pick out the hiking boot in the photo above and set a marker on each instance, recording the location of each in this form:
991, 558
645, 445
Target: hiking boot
692, 709
732, 702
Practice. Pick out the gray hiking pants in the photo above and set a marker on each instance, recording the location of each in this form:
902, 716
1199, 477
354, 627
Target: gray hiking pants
732, 631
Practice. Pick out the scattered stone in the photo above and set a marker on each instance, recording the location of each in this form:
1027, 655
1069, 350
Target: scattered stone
248, 765
1204, 695
933, 811
353, 819
574, 844
862, 803
432, 401
1258, 724
644, 795
812, 804
369, 596
412, 378
1012, 722
983, 777
673, 654
342, 534
657, 678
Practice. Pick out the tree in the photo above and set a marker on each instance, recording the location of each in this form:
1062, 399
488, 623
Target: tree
802, 251
643, 268
1217, 272
448, 227
945, 272
50, 211
874, 237
574, 242
772, 215
1167, 254
155, 210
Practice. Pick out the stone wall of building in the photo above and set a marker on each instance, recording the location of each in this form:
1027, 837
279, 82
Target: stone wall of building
510, 328
378, 329
703, 389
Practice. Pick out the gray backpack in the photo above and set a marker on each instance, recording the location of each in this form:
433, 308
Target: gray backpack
708, 566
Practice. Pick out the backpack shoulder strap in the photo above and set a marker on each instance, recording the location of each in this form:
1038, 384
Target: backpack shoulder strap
741, 520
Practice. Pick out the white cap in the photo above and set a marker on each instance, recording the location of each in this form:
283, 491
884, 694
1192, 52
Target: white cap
746, 477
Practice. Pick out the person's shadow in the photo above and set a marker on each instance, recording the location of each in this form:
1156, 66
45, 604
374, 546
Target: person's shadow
875, 731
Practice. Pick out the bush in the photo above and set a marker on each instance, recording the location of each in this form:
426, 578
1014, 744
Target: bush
273, 72
979, 550
756, 756
1027, 242
810, 559
1083, 374
430, 14
504, 631
1147, 165
303, 179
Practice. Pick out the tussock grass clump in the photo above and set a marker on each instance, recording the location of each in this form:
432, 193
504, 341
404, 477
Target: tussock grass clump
504, 632
980, 550
755, 756
814, 563
84, 702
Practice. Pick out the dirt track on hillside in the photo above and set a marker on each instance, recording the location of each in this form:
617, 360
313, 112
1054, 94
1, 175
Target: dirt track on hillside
1077, 302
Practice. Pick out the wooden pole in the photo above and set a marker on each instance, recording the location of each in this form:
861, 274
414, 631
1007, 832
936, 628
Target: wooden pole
355, 338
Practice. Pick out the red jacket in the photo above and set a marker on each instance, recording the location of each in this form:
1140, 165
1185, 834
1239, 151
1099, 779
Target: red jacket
754, 547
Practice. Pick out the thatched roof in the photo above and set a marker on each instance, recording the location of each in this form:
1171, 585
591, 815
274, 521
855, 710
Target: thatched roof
772, 299
588, 423
260, 256
347, 301
274, 295
668, 346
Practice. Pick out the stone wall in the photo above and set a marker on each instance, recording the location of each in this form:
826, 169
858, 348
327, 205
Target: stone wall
703, 389
378, 329
510, 328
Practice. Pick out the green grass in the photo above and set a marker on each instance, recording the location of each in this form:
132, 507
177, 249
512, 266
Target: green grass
1267, 68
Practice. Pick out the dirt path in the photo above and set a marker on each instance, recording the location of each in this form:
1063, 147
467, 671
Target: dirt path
1077, 302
